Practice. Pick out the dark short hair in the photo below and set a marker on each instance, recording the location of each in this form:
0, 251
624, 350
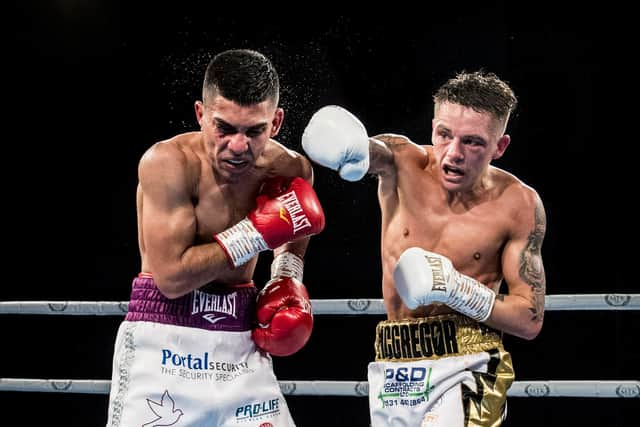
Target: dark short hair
243, 76
480, 90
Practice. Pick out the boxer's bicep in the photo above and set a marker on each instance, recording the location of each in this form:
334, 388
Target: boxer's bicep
522, 265
168, 218
306, 169
381, 154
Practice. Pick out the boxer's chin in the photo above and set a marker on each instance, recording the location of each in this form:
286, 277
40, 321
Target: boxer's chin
233, 172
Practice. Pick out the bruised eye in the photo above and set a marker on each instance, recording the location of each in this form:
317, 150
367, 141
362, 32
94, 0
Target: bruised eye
251, 133
476, 142
444, 134
226, 130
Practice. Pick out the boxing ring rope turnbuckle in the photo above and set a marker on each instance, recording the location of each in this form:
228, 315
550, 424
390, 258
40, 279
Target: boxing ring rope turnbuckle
320, 306
610, 389
616, 389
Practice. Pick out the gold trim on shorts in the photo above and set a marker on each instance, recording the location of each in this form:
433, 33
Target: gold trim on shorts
433, 338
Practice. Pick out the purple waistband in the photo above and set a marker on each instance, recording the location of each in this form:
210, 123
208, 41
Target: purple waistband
219, 308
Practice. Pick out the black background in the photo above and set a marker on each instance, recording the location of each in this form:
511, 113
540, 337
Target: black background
91, 85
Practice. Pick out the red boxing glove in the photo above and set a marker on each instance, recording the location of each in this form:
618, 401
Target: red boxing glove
286, 210
284, 316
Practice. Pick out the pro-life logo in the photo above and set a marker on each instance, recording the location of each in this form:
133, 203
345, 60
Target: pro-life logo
165, 411
258, 411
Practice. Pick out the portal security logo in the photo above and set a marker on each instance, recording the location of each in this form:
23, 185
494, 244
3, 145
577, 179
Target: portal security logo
200, 367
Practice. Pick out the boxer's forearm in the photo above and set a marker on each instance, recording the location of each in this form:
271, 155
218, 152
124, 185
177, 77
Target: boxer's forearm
512, 314
197, 266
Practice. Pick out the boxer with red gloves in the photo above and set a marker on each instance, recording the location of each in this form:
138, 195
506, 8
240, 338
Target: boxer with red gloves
197, 336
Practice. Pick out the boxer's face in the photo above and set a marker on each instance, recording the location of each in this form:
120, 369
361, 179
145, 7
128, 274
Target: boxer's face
465, 142
235, 136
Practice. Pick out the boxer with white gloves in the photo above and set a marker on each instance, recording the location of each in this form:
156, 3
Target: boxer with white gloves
454, 228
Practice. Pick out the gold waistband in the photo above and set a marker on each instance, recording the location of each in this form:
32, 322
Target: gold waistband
433, 337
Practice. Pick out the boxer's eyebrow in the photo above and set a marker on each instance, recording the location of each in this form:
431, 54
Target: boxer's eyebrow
258, 128
473, 139
229, 127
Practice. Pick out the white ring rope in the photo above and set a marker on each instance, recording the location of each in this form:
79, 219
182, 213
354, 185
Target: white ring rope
622, 389
320, 306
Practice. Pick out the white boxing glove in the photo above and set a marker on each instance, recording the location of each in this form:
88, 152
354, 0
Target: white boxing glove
336, 139
422, 277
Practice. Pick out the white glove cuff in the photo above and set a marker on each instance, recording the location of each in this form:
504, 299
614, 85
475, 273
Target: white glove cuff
471, 298
287, 265
241, 242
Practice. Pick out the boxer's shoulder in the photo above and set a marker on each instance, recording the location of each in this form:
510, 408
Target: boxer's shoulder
177, 156
512, 189
279, 160
180, 148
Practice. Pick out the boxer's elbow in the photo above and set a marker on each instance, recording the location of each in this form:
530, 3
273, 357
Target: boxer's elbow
171, 284
526, 320
531, 329
170, 293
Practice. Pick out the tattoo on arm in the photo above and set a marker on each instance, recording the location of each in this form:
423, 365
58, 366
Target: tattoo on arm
392, 140
381, 151
500, 297
531, 267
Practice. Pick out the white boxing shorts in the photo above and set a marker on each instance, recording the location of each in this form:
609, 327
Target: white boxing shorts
440, 371
191, 362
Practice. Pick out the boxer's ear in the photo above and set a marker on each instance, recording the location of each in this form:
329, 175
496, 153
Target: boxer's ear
276, 122
198, 107
502, 145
